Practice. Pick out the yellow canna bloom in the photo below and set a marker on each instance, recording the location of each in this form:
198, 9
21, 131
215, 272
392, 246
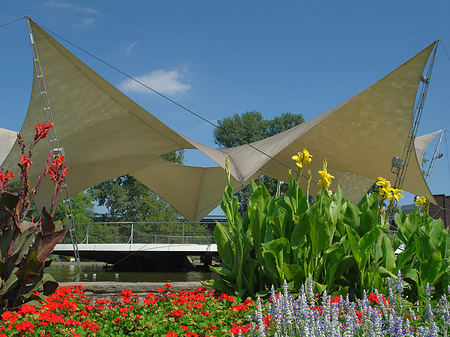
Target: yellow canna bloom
385, 193
397, 193
302, 158
421, 201
325, 177
382, 182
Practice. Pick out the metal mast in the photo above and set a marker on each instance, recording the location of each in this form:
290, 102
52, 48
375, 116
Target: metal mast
400, 165
53, 137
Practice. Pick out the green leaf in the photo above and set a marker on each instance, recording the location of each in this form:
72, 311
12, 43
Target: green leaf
352, 215
408, 226
224, 272
223, 241
424, 245
437, 232
388, 252
445, 245
6, 286
430, 268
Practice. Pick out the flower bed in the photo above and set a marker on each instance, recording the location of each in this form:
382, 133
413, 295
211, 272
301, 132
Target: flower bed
164, 313
200, 313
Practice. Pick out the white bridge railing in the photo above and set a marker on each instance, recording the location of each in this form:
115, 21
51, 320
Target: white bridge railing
144, 232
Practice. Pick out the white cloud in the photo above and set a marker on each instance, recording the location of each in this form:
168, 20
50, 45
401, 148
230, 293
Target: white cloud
65, 5
163, 81
130, 47
85, 22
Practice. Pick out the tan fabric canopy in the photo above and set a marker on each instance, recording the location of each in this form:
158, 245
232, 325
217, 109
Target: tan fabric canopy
421, 143
7, 140
105, 134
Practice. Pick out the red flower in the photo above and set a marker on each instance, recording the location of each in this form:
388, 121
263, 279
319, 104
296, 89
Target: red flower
335, 299
178, 312
27, 309
25, 162
237, 328
90, 325
42, 130
24, 326
58, 168
185, 327
171, 334
5, 178
373, 299
167, 285
72, 322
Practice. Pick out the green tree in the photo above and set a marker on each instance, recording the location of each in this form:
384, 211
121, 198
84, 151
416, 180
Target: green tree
127, 199
82, 209
250, 127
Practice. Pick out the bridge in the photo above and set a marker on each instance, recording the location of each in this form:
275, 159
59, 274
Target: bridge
145, 246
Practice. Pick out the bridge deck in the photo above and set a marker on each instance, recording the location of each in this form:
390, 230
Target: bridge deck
141, 247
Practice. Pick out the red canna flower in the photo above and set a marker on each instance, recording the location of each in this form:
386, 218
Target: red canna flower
58, 166
42, 130
5, 178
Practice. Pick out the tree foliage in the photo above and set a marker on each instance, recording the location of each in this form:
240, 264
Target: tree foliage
127, 199
251, 127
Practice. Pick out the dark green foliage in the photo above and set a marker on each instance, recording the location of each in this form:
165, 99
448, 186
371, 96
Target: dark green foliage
346, 248
127, 199
251, 127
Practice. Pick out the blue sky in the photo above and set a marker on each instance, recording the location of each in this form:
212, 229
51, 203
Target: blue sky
220, 58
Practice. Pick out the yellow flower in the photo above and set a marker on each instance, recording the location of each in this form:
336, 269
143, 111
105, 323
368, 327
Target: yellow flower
385, 193
382, 182
325, 180
302, 158
421, 201
397, 193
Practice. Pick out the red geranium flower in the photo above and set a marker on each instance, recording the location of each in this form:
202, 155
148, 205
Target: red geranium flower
373, 299
24, 326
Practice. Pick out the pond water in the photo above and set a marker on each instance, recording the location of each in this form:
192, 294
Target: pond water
94, 272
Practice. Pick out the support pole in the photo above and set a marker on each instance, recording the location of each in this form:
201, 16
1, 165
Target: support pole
53, 138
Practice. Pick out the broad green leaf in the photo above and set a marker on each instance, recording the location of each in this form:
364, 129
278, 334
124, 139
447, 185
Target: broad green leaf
352, 215
445, 245
223, 241
408, 226
388, 252
437, 232
224, 272
430, 268
406, 256
9, 282
424, 245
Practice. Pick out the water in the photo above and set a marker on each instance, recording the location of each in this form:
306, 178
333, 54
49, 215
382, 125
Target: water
93, 272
